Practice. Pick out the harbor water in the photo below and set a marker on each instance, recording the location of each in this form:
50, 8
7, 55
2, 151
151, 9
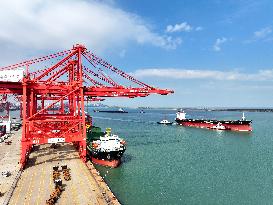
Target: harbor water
181, 165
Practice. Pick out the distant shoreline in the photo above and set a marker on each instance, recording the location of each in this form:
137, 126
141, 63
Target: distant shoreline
244, 109
194, 108
220, 109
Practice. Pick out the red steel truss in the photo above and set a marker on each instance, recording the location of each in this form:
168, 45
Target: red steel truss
53, 98
4, 106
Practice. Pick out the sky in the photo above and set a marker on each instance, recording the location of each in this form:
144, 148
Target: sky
216, 53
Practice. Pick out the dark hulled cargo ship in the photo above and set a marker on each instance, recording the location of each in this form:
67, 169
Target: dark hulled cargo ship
233, 125
104, 148
120, 110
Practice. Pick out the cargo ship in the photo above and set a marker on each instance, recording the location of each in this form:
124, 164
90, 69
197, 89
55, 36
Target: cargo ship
120, 110
233, 125
104, 148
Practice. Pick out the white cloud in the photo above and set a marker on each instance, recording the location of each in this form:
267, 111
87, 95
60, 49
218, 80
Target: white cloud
44, 24
170, 42
264, 32
171, 73
261, 35
182, 27
199, 28
218, 43
179, 27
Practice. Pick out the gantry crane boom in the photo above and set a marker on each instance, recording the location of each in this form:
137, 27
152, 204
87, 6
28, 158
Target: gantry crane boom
66, 83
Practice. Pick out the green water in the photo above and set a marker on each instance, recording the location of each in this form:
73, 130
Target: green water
179, 165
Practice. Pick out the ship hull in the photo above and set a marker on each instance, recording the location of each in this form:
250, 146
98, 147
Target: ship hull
109, 159
108, 163
238, 125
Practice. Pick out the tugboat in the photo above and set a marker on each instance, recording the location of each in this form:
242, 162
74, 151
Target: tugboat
242, 125
165, 122
105, 148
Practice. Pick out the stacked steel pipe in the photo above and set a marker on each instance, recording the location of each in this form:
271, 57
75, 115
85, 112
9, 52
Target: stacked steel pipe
55, 195
66, 173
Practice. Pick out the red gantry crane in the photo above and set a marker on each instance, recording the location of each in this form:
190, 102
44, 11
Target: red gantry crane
4, 106
53, 93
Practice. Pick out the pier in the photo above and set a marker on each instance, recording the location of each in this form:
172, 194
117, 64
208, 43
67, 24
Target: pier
35, 184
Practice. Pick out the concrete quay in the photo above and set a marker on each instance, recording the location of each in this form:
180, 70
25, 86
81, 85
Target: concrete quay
35, 183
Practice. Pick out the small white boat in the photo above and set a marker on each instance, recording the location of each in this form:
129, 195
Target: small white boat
219, 126
165, 122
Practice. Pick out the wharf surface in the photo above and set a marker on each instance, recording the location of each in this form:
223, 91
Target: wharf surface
35, 185
9, 161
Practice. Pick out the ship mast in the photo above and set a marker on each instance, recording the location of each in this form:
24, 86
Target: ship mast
243, 117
